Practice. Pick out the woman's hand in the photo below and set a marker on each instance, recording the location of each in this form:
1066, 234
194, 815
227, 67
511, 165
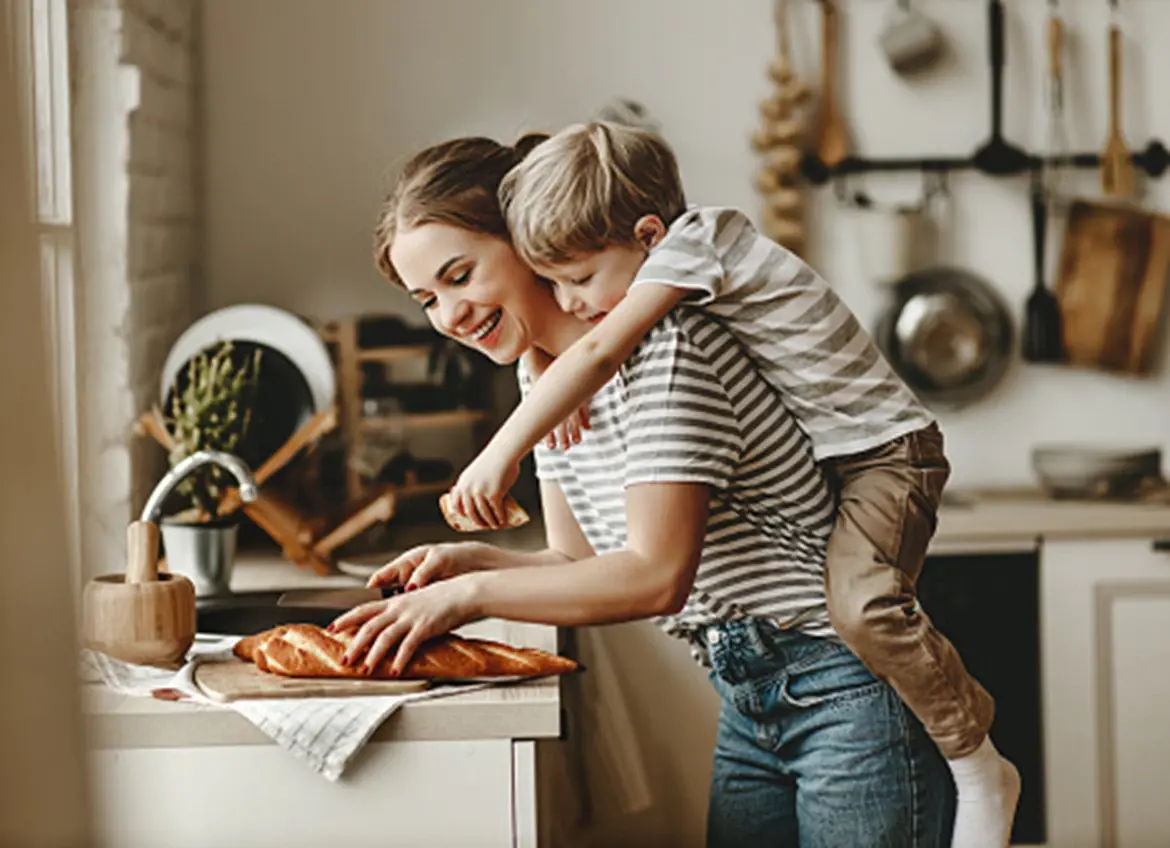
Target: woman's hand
428, 564
405, 622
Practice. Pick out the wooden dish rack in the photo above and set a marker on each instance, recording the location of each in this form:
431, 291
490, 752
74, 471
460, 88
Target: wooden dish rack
307, 541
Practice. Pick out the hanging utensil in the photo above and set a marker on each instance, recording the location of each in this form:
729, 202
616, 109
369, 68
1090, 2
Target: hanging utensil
1114, 266
948, 334
997, 155
1117, 178
910, 41
1042, 330
832, 146
1056, 165
1042, 340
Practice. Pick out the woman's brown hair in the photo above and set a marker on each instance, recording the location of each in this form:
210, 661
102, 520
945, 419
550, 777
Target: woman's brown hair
455, 183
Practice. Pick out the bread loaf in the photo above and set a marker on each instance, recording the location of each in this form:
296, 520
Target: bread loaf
305, 650
514, 515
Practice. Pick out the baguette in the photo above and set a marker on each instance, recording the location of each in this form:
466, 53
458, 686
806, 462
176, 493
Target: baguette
305, 650
514, 516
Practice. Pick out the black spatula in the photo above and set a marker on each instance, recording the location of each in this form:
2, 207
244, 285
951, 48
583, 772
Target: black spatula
1042, 341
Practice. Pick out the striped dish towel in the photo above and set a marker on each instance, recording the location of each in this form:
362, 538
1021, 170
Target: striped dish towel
323, 732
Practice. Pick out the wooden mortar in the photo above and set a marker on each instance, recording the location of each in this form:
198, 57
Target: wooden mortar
141, 617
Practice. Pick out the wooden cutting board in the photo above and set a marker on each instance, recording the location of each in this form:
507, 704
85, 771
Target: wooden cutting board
235, 680
1112, 284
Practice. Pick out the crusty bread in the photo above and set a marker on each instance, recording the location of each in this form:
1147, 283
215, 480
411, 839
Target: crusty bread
305, 650
514, 515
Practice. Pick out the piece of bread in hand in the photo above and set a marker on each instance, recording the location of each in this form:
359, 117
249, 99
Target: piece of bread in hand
514, 516
306, 650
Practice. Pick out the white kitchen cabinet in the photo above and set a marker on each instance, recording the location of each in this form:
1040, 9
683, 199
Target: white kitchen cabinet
435, 793
1105, 630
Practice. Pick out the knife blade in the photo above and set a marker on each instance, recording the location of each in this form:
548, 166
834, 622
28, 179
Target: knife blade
335, 598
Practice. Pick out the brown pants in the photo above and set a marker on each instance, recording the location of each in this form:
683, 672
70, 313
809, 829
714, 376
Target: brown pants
889, 500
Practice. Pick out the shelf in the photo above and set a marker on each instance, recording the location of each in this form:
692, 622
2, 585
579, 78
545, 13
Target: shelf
451, 418
393, 354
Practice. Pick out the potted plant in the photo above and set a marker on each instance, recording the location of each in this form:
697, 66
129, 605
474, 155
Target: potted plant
210, 408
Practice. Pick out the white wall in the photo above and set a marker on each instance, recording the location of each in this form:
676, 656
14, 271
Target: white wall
160, 39
310, 105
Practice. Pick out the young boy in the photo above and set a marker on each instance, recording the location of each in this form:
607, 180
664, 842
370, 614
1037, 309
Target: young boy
599, 211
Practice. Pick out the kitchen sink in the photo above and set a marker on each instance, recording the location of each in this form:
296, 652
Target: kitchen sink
245, 613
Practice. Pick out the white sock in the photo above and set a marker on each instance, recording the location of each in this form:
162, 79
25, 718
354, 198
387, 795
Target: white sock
988, 789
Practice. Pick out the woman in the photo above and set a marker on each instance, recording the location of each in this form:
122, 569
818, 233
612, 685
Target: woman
693, 499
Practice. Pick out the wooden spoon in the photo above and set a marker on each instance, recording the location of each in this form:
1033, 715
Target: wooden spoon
1116, 168
832, 146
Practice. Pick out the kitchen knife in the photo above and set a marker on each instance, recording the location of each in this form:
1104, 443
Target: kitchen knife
335, 598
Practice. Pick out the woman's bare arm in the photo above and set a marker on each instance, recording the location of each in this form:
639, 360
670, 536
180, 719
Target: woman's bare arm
653, 576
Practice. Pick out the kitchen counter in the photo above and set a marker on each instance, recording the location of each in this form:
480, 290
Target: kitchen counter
515, 711
970, 521
1016, 519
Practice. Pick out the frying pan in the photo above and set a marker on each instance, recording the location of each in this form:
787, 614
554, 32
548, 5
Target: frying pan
948, 334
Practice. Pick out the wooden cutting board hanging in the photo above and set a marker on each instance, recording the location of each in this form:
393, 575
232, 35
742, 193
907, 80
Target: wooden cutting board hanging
1112, 284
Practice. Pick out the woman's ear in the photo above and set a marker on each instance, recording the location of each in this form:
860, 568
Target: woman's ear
649, 230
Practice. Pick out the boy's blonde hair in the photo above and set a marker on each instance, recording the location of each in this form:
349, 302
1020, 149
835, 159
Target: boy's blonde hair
585, 188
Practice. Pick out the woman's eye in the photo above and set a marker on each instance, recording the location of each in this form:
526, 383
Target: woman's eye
428, 303
461, 278
580, 281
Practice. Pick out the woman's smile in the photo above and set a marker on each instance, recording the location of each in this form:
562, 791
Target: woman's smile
485, 334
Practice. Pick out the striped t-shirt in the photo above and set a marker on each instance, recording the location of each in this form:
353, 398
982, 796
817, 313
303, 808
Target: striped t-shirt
805, 340
689, 407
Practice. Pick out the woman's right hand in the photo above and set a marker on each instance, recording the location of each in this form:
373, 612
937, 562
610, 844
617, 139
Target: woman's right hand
428, 564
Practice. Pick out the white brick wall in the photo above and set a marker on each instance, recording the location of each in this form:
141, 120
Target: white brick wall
136, 178
159, 38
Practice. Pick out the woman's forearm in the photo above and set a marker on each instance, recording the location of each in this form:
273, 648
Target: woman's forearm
491, 558
611, 588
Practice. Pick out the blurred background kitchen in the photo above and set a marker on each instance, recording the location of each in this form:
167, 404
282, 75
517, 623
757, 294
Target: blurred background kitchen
210, 171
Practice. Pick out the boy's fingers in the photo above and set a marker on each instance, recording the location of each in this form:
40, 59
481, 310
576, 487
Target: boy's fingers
475, 515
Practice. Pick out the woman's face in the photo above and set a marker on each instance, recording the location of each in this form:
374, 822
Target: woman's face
473, 288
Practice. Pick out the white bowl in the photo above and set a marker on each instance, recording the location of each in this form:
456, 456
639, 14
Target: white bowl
1088, 471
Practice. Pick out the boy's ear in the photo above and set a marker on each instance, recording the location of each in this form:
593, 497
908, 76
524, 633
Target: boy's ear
649, 230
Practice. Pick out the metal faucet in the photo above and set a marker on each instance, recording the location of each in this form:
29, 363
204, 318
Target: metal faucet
237, 467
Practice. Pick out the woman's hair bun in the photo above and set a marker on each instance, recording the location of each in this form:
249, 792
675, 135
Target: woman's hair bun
526, 143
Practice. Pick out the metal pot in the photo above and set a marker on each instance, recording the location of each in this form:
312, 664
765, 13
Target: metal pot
948, 334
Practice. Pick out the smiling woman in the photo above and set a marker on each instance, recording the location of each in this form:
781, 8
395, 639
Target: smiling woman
694, 499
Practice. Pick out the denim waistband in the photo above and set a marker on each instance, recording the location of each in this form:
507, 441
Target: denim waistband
747, 648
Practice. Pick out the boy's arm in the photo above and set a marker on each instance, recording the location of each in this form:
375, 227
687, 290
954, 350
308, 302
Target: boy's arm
569, 381
589, 363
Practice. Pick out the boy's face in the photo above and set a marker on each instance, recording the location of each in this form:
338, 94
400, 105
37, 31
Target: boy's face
591, 285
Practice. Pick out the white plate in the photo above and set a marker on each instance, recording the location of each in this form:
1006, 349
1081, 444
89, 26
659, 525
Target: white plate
280, 330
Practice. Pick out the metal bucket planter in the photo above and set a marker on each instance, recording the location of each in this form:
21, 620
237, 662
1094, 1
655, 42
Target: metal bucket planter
205, 553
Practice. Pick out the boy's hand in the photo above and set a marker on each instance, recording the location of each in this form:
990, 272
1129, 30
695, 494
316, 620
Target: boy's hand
479, 492
568, 432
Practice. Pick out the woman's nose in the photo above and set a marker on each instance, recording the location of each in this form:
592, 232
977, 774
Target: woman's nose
451, 312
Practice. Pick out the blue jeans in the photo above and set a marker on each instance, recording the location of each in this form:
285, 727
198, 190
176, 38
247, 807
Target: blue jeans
814, 751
